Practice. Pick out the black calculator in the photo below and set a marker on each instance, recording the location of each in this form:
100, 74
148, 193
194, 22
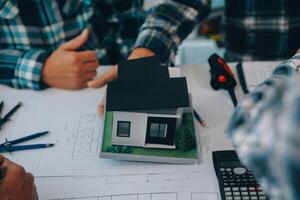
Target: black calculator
236, 182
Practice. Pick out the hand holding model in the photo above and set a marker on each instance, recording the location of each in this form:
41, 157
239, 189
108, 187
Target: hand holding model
16, 184
113, 73
67, 68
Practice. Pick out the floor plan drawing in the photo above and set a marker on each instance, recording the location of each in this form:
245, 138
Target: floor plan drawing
156, 196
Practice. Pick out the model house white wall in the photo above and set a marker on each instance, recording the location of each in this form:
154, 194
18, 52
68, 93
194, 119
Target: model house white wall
138, 127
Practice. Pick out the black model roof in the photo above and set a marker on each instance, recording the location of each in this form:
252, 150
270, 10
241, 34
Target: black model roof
144, 84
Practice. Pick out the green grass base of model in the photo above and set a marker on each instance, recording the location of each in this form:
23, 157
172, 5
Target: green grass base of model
187, 127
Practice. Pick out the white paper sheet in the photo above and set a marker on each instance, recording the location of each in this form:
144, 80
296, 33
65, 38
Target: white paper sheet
257, 72
73, 169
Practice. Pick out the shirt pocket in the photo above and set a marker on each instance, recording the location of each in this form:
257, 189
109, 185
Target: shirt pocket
8, 9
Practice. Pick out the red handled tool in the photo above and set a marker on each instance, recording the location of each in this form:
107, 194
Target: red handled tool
222, 77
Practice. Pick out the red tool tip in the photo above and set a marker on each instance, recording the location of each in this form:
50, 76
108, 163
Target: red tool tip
222, 79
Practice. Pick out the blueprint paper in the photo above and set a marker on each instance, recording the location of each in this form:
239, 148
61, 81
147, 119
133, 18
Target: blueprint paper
72, 169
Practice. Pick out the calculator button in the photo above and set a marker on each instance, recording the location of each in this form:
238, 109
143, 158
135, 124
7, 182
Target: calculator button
245, 198
239, 170
261, 193
235, 189
228, 198
228, 169
253, 193
236, 193
251, 188
262, 197
237, 198
225, 184
243, 189
222, 169
228, 193
244, 193
253, 198
227, 189
232, 184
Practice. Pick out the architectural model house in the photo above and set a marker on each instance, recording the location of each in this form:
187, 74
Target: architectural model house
146, 108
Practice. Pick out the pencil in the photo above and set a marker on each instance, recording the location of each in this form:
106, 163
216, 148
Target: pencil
199, 118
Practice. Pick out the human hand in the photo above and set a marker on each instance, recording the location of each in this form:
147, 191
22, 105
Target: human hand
298, 51
112, 74
68, 69
16, 184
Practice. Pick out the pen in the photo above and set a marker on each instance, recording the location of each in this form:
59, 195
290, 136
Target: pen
199, 118
1, 106
242, 79
9, 114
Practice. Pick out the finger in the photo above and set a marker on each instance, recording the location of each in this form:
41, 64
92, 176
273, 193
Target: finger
101, 111
87, 56
14, 176
29, 177
76, 42
101, 107
87, 77
104, 79
35, 194
28, 190
91, 66
1, 160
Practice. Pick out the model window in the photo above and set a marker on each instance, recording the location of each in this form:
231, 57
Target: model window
123, 129
158, 130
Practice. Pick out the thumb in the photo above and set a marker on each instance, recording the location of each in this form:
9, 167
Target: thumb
76, 42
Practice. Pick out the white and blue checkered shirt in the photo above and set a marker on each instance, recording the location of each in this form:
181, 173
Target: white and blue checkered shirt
265, 130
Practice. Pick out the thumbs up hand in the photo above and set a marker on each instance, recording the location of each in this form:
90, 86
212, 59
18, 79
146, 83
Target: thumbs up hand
67, 68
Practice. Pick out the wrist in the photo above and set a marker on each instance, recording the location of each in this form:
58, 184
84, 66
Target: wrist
140, 53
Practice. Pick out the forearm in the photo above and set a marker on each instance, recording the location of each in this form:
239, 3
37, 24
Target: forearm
264, 126
22, 69
168, 24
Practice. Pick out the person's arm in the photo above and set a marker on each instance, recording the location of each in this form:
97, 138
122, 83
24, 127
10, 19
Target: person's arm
64, 68
168, 24
16, 182
265, 131
22, 69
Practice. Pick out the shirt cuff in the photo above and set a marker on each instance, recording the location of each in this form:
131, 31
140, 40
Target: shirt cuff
29, 70
289, 67
158, 42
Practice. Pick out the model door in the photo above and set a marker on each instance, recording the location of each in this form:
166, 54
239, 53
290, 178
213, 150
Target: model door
161, 130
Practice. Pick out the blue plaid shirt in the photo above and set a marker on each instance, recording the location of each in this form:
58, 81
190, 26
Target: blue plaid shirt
265, 130
30, 30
